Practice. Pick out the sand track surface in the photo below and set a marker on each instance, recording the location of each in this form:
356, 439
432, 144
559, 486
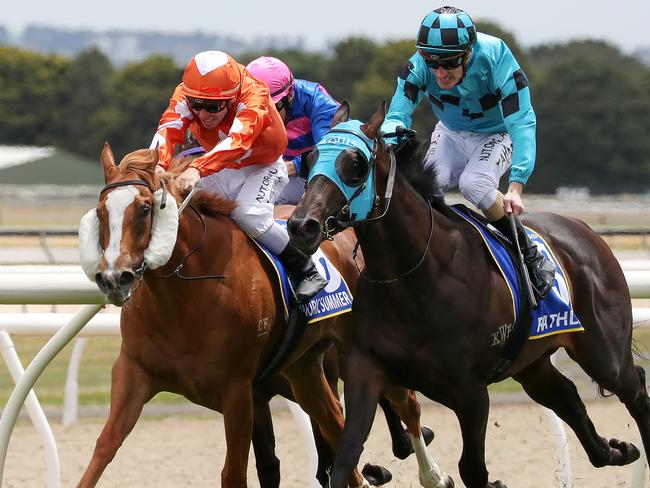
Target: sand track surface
188, 450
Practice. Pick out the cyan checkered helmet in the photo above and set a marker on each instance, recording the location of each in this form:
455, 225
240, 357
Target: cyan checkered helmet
446, 32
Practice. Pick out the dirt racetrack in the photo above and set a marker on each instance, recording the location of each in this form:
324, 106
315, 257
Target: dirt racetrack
188, 450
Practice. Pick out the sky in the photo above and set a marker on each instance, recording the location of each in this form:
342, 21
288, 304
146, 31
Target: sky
624, 23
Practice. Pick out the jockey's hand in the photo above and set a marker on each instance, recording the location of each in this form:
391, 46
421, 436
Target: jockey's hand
159, 171
512, 202
187, 179
291, 168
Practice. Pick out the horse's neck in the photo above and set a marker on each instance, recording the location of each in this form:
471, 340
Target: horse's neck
404, 232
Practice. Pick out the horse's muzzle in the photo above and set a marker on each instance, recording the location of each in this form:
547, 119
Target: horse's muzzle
305, 233
117, 285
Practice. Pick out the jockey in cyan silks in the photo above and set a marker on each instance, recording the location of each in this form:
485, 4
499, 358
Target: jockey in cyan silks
481, 97
230, 113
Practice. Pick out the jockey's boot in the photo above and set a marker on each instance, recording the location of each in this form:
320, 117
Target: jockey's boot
540, 270
305, 279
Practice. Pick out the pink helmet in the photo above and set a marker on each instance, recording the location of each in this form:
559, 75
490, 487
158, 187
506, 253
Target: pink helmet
274, 73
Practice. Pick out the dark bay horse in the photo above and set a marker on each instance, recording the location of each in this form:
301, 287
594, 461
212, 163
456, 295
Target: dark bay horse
200, 313
430, 304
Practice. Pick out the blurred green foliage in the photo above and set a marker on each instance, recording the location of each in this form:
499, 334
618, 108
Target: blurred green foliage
592, 102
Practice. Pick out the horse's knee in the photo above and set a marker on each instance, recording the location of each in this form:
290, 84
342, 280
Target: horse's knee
106, 447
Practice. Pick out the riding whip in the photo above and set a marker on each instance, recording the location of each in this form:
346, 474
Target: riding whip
198, 185
522, 265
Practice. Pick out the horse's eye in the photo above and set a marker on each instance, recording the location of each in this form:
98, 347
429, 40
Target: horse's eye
146, 210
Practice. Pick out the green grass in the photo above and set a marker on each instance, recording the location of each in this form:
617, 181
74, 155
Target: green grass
100, 353
94, 373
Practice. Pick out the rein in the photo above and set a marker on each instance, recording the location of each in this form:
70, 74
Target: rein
177, 270
365, 276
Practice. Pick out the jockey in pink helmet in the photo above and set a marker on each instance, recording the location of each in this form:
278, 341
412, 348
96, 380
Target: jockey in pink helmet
307, 111
275, 74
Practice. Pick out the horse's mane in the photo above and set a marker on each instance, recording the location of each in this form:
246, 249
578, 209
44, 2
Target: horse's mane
410, 155
142, 163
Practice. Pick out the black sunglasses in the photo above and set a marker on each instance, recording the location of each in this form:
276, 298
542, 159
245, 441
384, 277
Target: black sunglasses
211, 106
449, 63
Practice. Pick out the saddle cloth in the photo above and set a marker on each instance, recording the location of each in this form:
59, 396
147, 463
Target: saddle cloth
554, 314
334, 299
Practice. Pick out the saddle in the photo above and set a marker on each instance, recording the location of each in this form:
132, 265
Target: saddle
334, 299
554, 313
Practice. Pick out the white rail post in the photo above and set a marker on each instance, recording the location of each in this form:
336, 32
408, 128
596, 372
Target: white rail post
34, 370
35, 411
71, 392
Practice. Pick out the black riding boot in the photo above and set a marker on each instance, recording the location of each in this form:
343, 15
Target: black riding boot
305, 279
540, 270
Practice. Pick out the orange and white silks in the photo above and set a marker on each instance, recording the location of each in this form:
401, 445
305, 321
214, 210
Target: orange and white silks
251, 133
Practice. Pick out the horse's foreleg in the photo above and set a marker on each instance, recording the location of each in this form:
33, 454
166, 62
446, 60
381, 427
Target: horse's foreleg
548, 387
472, 407
317, 399
238, 426
266, 462
408, 408
130, 390
364, 384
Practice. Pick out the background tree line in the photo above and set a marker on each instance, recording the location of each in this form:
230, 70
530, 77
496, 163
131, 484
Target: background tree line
592, 102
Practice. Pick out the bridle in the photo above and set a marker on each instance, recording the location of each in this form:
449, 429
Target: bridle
139, 272
335, 223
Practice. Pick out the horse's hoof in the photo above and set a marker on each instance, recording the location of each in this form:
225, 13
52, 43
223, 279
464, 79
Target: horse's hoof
427, 435
496, 484
376, 475
623, 452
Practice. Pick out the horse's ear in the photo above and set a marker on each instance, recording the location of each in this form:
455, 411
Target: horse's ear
371, 128
108, 163
342, 114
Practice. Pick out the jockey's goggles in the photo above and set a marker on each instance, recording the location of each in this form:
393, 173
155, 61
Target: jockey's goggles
211, 106
434, 62
283, 103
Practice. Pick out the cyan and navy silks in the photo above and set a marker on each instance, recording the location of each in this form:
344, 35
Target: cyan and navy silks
554, 314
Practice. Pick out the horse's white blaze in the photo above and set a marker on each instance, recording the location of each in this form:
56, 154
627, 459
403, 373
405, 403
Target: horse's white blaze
116, 204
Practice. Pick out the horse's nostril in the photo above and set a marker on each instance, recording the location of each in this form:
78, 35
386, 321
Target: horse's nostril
126, 279
103, 284
310, 228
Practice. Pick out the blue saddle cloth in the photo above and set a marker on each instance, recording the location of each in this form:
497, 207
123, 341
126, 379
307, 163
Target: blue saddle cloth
334, 299
554, 314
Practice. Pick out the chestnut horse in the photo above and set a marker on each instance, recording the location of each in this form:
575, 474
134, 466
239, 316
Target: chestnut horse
431, 302
201, 313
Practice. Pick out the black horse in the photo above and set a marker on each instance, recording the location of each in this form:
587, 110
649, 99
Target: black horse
431, 302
